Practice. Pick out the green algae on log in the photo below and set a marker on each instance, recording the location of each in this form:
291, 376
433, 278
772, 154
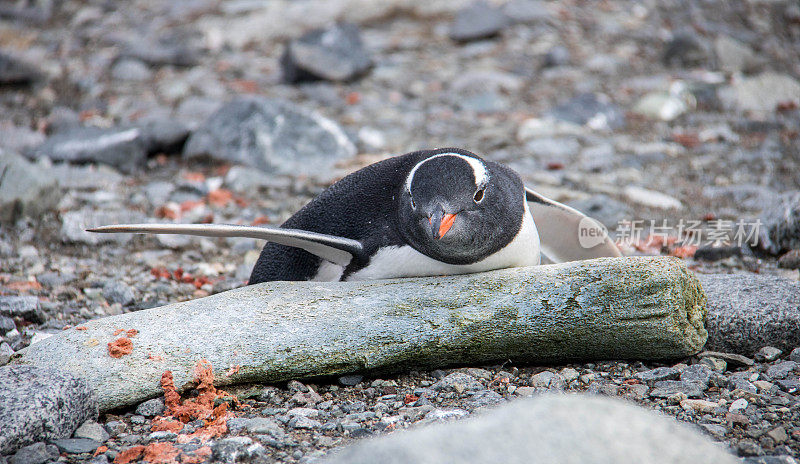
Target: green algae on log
609, 308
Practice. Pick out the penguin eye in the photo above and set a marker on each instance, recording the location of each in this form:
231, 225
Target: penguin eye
479, 195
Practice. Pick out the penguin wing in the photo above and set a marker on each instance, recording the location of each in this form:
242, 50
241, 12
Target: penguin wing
337, 250
565, 233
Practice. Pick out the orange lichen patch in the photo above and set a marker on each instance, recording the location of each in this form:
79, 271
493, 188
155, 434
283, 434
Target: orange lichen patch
132, 333
131, 454
168, 211
165, 424
684, 252
189, 205
118, 331
194, 176
120, 347
81, 327
100, 450
261, 220
199, 455
24, 286
232, 370
201, 407
151, 357
220, 197
161, 453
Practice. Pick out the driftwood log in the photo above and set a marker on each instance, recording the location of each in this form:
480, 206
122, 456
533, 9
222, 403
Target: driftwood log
610, 308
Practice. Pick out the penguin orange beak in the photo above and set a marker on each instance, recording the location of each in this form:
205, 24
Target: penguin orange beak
447, 222
440, 223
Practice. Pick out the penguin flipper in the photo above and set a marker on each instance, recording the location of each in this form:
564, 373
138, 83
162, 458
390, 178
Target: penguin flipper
566, 234
337, 250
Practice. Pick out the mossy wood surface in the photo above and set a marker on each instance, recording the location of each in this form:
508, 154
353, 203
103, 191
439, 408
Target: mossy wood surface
610, 308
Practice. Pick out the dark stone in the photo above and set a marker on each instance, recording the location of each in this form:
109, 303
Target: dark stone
685, 51
790, 260
76, 445
335, 54
697, 374
164, 135
272, 135
350, 380
166, 51
732, 359
667, 388
121, 147
596, 110
118, 292
749, 311
25, 188
781, 370
6, 324
37, 453
557, 56
150, 408
604, 209
26, 307
658, 374
780, 224
17, 72
712, 253
41, 404
478, 21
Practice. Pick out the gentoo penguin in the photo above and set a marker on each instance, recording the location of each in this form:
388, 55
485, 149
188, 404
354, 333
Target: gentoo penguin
430, 212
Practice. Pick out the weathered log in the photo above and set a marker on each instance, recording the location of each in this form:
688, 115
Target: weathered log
610, 308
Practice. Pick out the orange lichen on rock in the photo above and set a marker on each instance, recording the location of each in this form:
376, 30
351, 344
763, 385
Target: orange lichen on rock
199, 455
81, 327
131, 333
161, 453
165, 424
201, 407
118, 331
100, 450
232, 370
131, 454
120, 347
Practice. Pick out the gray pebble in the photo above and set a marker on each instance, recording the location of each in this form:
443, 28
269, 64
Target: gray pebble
151, 407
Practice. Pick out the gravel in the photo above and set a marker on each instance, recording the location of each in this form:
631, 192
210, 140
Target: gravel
721, 142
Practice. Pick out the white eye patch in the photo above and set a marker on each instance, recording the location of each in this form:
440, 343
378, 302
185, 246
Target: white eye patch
478, 169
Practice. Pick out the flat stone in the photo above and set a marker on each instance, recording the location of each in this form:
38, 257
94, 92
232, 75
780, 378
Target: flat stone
733, 56
115, 291
763, 93
121, 147
790, 260
93, 431
37, 453
651, 198
595, 111
685, 51
262, 425
747, 312
782, 370
26, 189
14, 71
271, 135
335, 53
697, 374
350, 380
75, 223
658, 374
41, 404
477, 21
667, 388
735, 360
76, 445
565, 429
26, 307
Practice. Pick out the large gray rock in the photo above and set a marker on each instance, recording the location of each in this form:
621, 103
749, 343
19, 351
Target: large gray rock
335, 53
25, 188
478, 21
611, 308
780, 223
763, 93
750, 311
121, 147
272, 135
564, 429
40, 404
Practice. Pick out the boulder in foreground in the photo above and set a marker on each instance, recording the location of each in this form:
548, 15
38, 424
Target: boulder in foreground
564, 429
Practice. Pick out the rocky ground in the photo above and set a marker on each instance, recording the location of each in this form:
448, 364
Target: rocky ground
681, 113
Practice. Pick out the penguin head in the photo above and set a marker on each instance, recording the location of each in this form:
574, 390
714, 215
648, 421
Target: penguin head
459, 209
